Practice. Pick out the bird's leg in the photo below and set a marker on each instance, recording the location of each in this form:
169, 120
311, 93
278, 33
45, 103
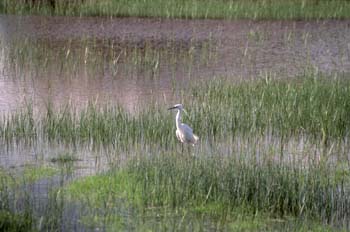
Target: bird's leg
182, 148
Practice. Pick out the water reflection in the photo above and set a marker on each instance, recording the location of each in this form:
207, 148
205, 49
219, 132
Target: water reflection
130, 61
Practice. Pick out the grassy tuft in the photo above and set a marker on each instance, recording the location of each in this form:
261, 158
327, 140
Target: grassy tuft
32, 174
13, 196
221, 185
105, 189
64, 158
281, 190
15, 222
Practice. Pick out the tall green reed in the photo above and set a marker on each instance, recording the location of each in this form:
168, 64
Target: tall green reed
315, 191
219, 184
315, 106
312, 104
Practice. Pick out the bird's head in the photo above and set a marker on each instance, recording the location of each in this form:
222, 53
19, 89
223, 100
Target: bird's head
177, 106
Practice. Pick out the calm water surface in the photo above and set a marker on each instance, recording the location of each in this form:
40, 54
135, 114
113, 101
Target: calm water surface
132, 62
171, 53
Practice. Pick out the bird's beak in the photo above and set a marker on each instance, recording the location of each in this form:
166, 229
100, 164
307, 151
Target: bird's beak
171, 108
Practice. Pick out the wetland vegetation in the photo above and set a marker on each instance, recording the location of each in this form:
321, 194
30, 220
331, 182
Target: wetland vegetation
312, 105
189, 9
269, 148
274, 146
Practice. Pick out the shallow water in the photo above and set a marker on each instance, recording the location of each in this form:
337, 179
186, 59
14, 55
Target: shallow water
171, 53
133, 62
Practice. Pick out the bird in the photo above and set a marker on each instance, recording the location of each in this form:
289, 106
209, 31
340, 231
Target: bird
184, 133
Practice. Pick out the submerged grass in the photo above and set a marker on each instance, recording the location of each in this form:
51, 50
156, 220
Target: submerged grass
16, 212
89, 57
64, 158
30, 174
232, 9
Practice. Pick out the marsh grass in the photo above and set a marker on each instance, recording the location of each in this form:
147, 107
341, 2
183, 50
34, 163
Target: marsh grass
32, 174
315, 106
233, 9
218, 186
246, 174
91, 57
29, 174
16, 210
64, 158
15, 222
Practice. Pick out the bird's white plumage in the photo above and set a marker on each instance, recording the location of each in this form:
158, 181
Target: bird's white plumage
184, 133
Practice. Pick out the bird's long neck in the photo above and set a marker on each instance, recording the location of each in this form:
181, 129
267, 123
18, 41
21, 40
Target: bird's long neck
178, 118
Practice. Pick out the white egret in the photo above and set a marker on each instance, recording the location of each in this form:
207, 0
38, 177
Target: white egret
184, 133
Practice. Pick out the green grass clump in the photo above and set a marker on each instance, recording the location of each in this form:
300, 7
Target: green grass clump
5, 178
64, 158
231, 9
264, 223
104, 190
32, 173
221, 185
15, 222
12, 189
277, 189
